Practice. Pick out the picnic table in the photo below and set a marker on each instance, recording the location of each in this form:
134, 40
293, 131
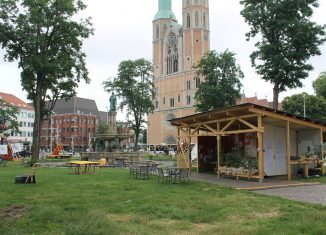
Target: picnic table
83, 167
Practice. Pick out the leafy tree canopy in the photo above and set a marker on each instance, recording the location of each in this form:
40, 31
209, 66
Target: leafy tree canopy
287, 38
221, 85
320, 85
315, 106
8, 118
133, 85
45, 38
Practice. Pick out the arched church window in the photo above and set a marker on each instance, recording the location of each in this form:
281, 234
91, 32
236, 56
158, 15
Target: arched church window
175, 66
196, 19
157, 32
204, 20
188, 2
172, 54
188, 20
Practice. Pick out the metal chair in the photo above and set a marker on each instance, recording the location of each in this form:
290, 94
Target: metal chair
161, 174
132, 171
153, 168
142, 172
120, 164
183, 175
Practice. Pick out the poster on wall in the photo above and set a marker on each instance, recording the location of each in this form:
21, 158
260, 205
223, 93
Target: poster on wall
3, 149
16, 148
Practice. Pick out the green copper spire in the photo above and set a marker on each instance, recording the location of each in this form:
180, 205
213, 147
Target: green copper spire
165, 10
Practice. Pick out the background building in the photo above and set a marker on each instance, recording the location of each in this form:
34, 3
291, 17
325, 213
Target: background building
176, 48
73, 124
25, 120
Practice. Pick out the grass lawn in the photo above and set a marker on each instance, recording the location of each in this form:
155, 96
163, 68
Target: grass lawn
111, 203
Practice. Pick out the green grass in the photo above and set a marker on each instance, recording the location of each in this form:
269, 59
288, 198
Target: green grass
111, 203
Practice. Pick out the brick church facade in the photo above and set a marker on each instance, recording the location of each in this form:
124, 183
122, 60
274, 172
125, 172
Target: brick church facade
176, 49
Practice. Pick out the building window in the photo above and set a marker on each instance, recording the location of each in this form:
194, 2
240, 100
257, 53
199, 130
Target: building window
196, 19
157, 33
188, 20
188, 100
204, 20
156, 104
179, 98
188, 85
197, 82
163, 100
171, 102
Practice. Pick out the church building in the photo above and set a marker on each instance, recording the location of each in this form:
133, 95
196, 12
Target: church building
176, 49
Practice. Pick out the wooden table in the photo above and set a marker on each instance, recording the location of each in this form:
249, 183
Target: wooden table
306, 167
83, 167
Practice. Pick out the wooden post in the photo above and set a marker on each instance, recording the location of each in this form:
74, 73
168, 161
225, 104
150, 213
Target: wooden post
288, 149
178, 144
322, 152
198, 153
189, 150
218, 139
260, 150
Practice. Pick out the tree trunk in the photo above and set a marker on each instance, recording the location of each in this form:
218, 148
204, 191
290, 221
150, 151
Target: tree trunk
136, 140
275, 96
37, 125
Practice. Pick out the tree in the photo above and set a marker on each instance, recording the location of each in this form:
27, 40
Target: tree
314, 106
134, 87
221, 86
320, 85
8, 119
46, 39
288, 40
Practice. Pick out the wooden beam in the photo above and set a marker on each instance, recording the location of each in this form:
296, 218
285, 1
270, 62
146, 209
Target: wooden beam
228, 125
247, 123
261, 167
261, 130
288, 149
197, 128
218, 139
286, 118
189, 151
226, 119
209, 128
322, 151
184, 131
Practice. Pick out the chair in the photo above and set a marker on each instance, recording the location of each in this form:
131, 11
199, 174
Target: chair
153, 168
142, 172
28, 178
161, 174
183, 175
132, 171
120, 164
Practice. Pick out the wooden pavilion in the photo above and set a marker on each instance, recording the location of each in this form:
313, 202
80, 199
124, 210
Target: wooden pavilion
282, 143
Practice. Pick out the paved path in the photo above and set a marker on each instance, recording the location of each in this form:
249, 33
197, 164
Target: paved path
315, 193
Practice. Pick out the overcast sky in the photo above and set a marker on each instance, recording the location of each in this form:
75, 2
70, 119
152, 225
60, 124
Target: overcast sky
123, 30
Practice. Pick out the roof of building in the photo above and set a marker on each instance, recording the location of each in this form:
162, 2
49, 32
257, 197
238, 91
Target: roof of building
15, 101
245, 109
164, 10
76, 105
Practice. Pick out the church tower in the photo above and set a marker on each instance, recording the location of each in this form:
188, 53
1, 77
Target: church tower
176, 48
195, 16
